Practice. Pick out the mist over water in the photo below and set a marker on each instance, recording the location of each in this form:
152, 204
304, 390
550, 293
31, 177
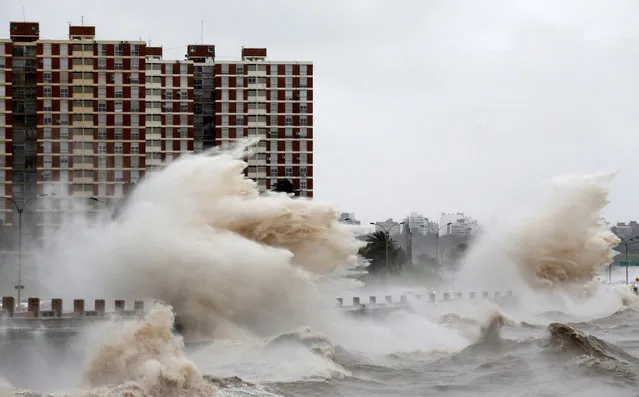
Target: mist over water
255, 276
200, 236
561, 246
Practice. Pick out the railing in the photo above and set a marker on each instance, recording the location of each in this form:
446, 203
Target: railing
36, 310
433, 297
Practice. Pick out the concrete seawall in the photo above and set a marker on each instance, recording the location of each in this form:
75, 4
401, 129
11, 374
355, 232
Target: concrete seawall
50, 322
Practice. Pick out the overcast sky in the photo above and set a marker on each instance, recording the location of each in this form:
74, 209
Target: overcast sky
424, 105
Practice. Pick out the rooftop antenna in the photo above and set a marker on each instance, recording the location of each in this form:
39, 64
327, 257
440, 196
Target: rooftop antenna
24, 15
82, 20
202, 31
149, 39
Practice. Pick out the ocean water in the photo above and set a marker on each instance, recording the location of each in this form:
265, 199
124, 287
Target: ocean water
253, 279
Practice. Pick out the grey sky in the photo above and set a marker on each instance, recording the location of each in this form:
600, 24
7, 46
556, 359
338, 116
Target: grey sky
427, 106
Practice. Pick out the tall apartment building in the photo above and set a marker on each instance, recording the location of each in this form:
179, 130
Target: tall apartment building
169, 108
252, 97
97, 114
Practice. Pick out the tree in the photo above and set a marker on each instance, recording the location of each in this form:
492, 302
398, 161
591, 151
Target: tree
284, 186
375, 252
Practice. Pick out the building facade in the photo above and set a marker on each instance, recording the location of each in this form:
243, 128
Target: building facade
255, 97
92, 116
457, 224
417, 223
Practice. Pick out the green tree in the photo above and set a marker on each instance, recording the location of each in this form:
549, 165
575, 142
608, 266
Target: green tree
284, 186
375, 251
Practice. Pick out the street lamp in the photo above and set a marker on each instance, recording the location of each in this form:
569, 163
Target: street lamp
19, 287
626, 243
437, 241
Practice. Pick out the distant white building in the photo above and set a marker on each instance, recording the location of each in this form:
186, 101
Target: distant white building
389, 225
417, 223
348, 217
457, 224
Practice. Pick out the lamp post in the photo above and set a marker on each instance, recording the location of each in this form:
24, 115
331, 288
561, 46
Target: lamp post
626, 243
437, 241
19, 287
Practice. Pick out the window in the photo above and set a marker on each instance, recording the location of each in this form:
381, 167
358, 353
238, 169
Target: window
239, 69
135, 50
102, 134
2, 62
102, 106
302, 171
288, 146
225, 68
118, 134
47, 92
239, 120
184, 107
303, 184
135, 64
64, 92
303, 120
118, 148
135, 134
46, 146
288, 171
288, 70
102, 63
118, 64
47, 105
64, 63
48, 120
303, 108
118, 92
64, 161
288, 120
102, 148
118, 50
47, 77
303, 146
118, 106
